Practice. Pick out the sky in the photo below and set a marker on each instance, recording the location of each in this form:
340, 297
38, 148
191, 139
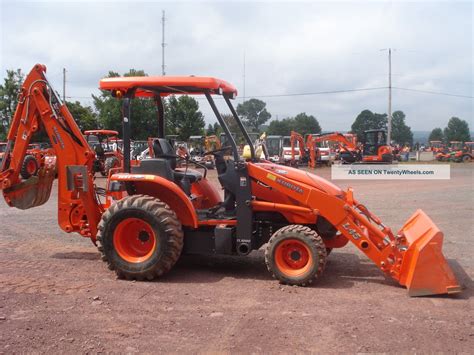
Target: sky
289, 48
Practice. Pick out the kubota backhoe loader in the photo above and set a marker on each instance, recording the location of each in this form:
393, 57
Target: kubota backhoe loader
147, 215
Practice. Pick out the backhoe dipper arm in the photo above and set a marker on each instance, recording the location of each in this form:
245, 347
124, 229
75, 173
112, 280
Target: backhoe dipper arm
78, 207
295, 136
313, 151
335, 137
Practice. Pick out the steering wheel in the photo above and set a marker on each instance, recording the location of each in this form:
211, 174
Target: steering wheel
223, 149
187, 159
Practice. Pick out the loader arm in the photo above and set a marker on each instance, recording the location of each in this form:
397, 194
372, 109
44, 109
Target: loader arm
412, 256
79, 209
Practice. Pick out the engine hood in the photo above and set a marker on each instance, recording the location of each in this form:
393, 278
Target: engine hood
303, 177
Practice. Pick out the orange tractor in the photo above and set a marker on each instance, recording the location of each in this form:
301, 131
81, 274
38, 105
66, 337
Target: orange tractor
451, 152
436, 146
34, 158
146, 216
464, 155
105, 144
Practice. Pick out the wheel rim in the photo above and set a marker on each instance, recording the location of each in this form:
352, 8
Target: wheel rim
293, 257
134, 240
31, 167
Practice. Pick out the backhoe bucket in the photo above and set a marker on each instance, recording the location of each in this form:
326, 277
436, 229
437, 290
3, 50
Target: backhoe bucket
34, 191
424, 270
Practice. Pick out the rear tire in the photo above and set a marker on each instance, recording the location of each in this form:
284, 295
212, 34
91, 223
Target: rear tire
140, 238
111, 162
295, 255
466, 159
29, 167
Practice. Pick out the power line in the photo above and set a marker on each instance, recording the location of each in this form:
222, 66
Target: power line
327, 92
434, 92
320, 92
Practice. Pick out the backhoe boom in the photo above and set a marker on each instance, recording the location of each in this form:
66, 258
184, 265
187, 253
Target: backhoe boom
39, 106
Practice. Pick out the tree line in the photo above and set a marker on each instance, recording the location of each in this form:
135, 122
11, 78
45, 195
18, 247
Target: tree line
455, 130
183, 117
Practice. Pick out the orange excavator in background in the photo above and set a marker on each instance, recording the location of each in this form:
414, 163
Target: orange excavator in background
349, 151
151, 212
376, 149
308, 150
313, 150
302, 157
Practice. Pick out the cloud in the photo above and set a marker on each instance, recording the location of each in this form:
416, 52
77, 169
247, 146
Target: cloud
290, 47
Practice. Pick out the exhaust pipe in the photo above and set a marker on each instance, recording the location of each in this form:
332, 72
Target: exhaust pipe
243, 249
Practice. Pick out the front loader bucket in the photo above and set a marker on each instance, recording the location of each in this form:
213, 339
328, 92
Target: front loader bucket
424, 270
34, 191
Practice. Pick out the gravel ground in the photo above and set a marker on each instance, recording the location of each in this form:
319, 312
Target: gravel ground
57, 296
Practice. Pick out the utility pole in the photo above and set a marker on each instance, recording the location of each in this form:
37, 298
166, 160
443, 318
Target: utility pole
389, 126
389, 114
64, 85
244, 77
163, 44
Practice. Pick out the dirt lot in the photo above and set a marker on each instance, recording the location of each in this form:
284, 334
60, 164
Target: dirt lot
57, 296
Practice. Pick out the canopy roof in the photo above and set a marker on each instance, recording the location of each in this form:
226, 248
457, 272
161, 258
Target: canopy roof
147, 86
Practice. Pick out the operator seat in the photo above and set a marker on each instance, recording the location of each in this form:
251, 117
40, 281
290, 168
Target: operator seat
164, 164
99, 151
162, 149
370, 149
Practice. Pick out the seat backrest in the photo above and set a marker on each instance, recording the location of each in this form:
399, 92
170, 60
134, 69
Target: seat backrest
99, 150
158, 166
162, 146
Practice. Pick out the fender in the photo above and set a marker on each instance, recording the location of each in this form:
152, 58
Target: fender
167, 191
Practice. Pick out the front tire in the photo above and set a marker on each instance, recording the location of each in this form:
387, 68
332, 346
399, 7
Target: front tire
295, 255
29, 167
140, 238
466, 159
